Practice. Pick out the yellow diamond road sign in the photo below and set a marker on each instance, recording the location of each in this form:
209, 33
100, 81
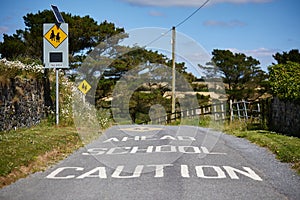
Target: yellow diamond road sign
84, 87
55, 36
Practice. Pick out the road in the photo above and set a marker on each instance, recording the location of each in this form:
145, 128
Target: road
162, 162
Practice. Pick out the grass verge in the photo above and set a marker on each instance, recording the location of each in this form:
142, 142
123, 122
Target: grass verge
286, 148
26, 151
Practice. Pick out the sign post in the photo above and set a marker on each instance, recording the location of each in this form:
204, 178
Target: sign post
56, 49
57, 96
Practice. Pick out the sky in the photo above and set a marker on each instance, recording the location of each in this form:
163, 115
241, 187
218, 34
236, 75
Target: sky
257, 28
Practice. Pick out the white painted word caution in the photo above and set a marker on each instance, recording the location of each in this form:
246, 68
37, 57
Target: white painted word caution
185, 171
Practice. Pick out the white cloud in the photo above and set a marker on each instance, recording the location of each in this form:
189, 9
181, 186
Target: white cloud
264, 55
232, 23
187, 3
156, 13
3, 29
260, 52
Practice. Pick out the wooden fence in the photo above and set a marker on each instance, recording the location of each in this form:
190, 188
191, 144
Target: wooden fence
241, 110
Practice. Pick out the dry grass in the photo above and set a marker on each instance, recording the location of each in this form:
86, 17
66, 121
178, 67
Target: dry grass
4, 81
41, 163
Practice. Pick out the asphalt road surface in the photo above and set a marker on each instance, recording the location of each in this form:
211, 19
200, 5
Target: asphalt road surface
162, 162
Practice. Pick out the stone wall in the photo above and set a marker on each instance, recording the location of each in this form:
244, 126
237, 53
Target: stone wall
21, 103
285, 117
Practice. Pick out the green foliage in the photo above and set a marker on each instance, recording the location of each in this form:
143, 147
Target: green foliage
34, 148
202, 99
200, 87
104, 118
105, 88
115, 62
141, 102
205, 121
292, 56
130, 61
13, 46
240, 72
33, 33
284, 80
286, 148
134, 57
13, 69
66, 101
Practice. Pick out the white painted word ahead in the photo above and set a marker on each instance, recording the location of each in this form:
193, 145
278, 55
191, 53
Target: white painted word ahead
201, 171
147, 138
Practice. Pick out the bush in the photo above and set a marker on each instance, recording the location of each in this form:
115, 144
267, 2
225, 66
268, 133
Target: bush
12, 69
284, 81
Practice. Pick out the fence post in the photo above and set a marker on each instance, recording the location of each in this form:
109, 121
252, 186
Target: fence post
263, 104
238, 110
215, 112
245, 110
231, 110
258, 112
222, 111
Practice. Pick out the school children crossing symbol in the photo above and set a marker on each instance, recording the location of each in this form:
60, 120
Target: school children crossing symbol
84, 87
55, 36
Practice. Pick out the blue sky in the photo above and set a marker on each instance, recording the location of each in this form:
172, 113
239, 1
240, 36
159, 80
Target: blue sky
258, 28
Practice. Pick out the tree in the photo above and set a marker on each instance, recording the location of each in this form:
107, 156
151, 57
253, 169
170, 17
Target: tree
244, 78
14, 46
284, 76
119, 66
292, 56
284, 80
141, 102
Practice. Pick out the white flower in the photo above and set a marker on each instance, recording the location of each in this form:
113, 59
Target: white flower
35, 68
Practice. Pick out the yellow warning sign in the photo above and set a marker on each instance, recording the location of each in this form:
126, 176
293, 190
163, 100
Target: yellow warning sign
55, 36
84, 87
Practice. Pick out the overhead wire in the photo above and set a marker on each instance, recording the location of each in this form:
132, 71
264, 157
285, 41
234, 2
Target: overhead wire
179, 24
187, 18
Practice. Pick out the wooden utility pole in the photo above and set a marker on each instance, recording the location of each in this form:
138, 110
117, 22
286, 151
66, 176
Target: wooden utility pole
173, 72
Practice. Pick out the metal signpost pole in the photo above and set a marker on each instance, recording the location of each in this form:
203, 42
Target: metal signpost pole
57, 96
173, 74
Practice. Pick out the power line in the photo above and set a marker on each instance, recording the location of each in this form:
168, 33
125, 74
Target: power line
179, 24
162, 35
187, 18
